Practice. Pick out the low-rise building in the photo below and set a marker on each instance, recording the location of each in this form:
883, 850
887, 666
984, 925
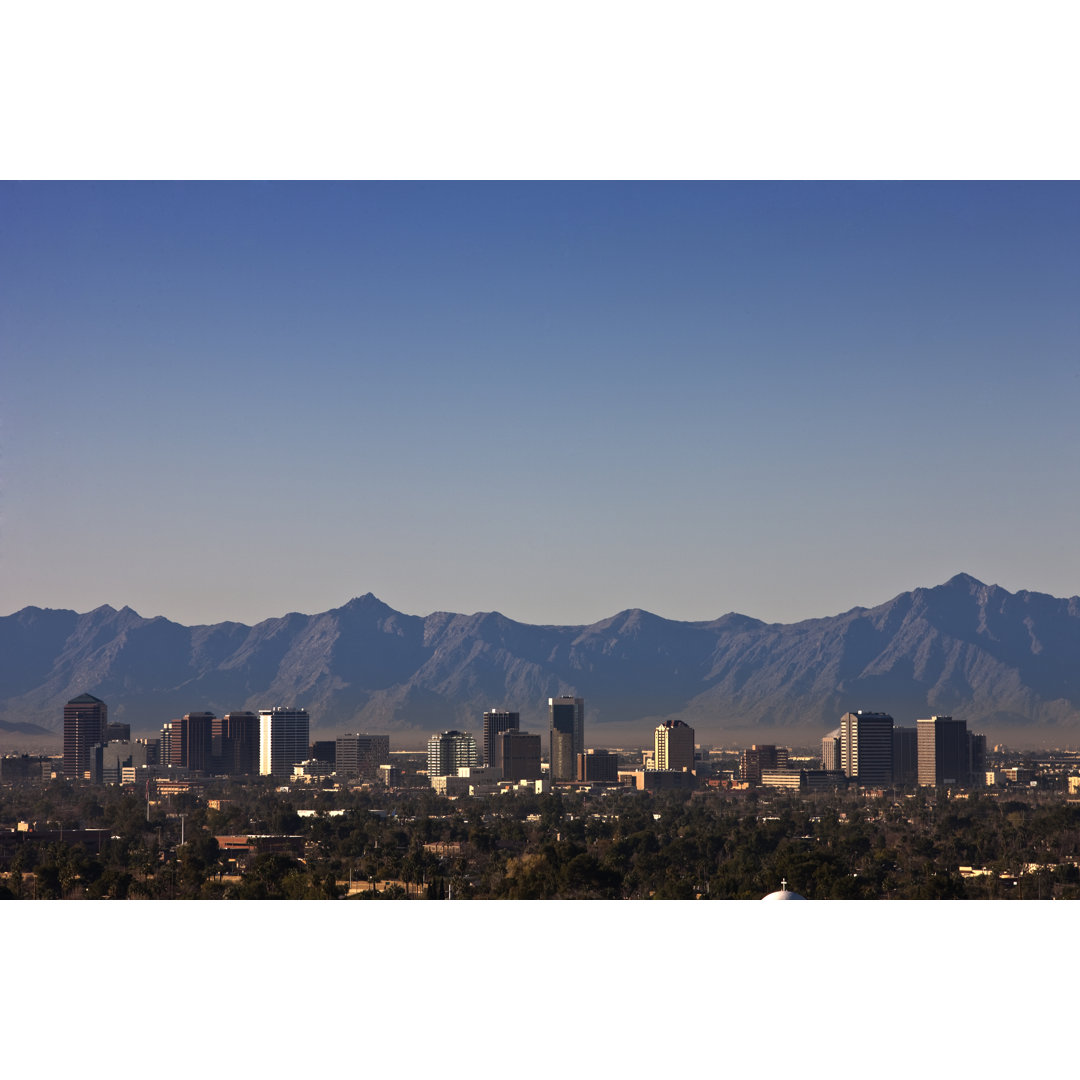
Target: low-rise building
659, 779
804, 779
755, 759
450, 785
312, 769
598, 766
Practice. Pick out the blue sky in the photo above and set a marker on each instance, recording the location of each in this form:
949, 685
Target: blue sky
228, 401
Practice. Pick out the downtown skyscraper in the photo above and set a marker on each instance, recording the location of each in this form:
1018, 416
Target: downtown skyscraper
866, 747
450, 751
567, 734
283, 740
496, 721
86, 721
946, 752
673, 746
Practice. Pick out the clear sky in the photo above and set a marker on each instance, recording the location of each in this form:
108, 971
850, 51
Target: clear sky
229, 401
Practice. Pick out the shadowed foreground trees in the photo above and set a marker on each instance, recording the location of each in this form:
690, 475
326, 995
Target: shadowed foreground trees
623, 845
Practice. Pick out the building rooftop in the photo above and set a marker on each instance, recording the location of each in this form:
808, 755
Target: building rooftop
783, 893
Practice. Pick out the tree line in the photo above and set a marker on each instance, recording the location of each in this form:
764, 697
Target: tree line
626, 845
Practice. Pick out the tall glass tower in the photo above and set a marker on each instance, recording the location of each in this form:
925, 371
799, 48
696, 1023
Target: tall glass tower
283, 740
567, 716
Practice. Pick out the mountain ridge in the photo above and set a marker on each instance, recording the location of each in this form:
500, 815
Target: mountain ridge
1000, 660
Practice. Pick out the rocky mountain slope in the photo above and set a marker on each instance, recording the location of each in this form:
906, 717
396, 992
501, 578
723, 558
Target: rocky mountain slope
1000, 660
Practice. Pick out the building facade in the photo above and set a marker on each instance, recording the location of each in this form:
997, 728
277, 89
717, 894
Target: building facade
830, 751
325, 750
673, 746
86, 720
752, 761
566, 716
803, 779
283, 740
192, 742
236, 743
517, 755
905, 756
450, 751
496, 721
361, 755
866, 747
945, 752
597, 766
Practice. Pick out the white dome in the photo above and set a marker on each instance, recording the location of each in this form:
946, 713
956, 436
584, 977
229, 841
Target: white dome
783, 893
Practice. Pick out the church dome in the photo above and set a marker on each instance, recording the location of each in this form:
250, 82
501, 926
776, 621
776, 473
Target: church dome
783, 893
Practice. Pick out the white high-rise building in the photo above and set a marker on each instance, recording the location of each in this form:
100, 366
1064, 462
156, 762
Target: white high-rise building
283, 740
450, 751
830, 751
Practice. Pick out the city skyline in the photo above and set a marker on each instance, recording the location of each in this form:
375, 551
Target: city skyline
671, 395
171, 466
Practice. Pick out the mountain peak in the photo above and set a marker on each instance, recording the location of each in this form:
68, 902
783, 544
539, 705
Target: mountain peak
368, 600
964, 581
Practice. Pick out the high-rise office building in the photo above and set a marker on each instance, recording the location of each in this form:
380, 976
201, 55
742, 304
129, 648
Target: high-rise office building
166, 743
361, 755
236, 743
563, 759
496, 721
150, 752
517, 754
283, 740
673, 746
191, 741
567, 719
324, 750
866, 747
905, 755
830, 751
977, 746
117, 732
944, 752
86, 720
450, 751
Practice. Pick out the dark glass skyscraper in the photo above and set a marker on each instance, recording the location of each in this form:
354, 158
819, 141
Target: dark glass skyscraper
567, 717
192, 741
236, 743
866, 747
86, 720
496, 721
517, 753
283, 740
944, 752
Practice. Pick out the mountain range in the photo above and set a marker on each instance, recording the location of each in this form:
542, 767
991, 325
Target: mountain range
1000, 660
